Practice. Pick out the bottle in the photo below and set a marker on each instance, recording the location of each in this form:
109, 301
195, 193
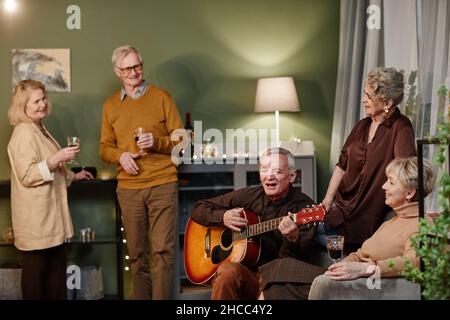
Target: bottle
190, 130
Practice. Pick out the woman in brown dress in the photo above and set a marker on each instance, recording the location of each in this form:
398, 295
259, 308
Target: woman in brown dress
355, 199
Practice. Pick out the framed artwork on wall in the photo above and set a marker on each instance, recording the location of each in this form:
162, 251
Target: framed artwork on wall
49, 66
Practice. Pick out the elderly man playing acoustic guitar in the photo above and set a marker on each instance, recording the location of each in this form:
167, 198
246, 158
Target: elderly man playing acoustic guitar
247, 242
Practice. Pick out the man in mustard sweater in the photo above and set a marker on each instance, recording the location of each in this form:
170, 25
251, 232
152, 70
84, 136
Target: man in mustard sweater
147, 181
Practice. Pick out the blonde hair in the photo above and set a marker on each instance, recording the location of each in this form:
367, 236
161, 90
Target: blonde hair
387, 84
21, 94
121, 52
407, 172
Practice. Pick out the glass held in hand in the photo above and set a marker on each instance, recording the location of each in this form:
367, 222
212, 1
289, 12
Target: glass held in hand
73, 142
138, 132
335, 247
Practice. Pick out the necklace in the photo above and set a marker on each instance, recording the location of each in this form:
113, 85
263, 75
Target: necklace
44, 132
47, 135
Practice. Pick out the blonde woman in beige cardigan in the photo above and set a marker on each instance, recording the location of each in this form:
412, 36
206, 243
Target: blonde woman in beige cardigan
39, 180
392, 241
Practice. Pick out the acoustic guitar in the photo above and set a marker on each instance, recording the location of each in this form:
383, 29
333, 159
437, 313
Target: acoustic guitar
205, 248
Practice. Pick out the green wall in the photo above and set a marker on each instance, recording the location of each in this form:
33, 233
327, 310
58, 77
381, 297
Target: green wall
207, 53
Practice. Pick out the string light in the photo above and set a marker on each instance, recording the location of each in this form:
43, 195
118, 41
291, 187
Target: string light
126, 257
10, 5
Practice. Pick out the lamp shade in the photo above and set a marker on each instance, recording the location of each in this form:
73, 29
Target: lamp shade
276, 94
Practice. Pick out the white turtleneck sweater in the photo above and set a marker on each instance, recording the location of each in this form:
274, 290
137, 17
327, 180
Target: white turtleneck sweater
392, 242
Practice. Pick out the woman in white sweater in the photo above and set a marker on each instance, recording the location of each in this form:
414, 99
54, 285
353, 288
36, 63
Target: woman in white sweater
39, 180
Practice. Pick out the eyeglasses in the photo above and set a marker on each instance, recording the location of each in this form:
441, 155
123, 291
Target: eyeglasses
126, 71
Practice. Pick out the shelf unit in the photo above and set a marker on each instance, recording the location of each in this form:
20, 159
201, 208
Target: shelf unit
92, 204
201, 181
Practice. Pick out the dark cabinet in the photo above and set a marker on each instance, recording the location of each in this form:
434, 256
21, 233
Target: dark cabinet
93, 205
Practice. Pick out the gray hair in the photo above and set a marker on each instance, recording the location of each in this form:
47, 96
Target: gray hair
387, 84
121, 52
279, 150
407, 172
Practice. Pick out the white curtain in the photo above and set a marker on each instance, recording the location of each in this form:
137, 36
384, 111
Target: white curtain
360, 50
417, 34
401, 51
434, 60
433, 70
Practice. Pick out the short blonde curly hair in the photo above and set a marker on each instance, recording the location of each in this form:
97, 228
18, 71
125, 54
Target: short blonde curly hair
387, 84
407, 172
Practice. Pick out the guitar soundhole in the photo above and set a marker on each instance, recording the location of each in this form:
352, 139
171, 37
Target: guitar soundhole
226, 238
219, 255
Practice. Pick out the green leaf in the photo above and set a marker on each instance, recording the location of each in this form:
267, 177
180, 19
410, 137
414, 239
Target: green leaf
442, 91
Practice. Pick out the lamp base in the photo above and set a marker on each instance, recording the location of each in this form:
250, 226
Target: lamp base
277, 127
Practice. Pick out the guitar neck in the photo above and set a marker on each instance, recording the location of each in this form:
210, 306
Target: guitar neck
257, 229
304, 216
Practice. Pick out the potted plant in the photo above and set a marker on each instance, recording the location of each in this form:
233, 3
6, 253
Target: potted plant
431, 243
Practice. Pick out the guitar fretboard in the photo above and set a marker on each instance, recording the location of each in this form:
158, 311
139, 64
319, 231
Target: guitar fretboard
257, 229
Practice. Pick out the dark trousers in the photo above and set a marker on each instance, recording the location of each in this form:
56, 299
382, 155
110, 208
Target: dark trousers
44, 274
287, 279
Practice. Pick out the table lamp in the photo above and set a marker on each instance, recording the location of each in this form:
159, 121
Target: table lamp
276, 94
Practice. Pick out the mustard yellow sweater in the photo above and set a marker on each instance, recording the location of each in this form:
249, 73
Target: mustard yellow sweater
392, 242
157, 113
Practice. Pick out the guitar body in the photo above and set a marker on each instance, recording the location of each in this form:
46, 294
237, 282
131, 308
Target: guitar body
206, 248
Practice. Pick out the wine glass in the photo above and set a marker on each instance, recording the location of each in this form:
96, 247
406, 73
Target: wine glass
335, 246
137, 133
73, 142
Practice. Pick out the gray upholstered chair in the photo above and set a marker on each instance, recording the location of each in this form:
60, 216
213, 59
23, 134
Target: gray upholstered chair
323, 288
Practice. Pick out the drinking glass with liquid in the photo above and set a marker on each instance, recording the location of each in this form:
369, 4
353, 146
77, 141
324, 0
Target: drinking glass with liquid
73, 142
335, 247
138, 132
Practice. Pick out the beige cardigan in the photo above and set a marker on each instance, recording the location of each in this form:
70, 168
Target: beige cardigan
40, 212
392, 242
